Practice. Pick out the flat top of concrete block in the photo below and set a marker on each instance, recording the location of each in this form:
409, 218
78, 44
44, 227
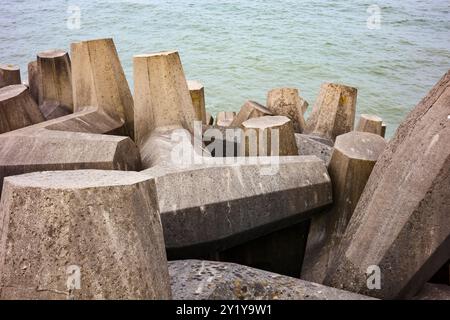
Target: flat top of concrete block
340, 86
155, 54
361, 145
194, 85
205, 280
9, 92
54, 53
371, 117
266, 122
77, 179
10, 67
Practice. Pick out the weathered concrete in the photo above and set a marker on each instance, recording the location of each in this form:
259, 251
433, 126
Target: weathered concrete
431, 291
209, 119
354, 156
269, 136
371, 124
383, 129
225, 118
105, 223
401, 223
236, 203
17, 108
250, 110
334, 111
204, 280
197, 91
313, 145
287, 102
9, 75
34, 81
55, 88
98, 81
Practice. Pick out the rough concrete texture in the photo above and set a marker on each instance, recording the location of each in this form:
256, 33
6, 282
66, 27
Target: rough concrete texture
383, 130
287, 102
250, 110
225, 118
313, 145
402, 221
161, 94
269, 136
233, 201
354, 156
370, 123
105, 223
197, 91
209, 119
9, 75
205, 280
34, 81
431, 291
333, 113
98, 81
17, 108
55, 76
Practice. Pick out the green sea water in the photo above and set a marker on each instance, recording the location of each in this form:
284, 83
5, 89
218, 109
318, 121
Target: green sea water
241, 49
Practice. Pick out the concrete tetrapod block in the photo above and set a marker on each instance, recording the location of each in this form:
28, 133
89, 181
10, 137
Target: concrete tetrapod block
215, 207
250, 110
205, 280
17, 108
209, 119
98, 81
354, 156
287, 102
333, 113
55, 88
269, 136
431, 291
9, 75
197, 91
383, 130
225, 118
161, 94
402, 221
34, 81
370, 123
81, 235
314, 145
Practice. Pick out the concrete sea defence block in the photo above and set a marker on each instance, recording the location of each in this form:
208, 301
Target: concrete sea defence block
197, 91
205, 280
313, 145
269, 135
225, 118
371, 123
34, 81
234, 203
102, 226
354, 156
55, 88
287, 102
17, 108
98, 81
9, 75
401, 223
209, 119
333, 113
431, 291
162, 96
249, 110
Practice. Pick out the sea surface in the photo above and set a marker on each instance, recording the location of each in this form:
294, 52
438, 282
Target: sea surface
393, 51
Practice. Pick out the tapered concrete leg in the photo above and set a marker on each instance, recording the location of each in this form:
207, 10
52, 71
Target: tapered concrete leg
383, 130
81, 235
9, 75
99, 81
34, 81
209, 119
55, 75
371, 124
287, 102
402, 222
334, 111
225, 118
353, 159
270, 135
17, 108
197, 91
250, 110
161, 94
